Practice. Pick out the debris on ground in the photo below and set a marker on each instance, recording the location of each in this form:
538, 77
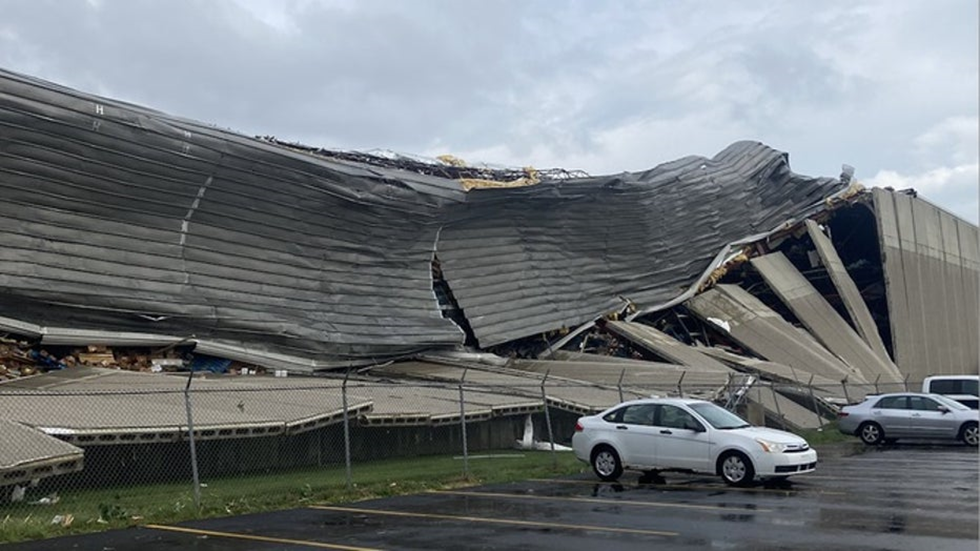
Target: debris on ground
23, 358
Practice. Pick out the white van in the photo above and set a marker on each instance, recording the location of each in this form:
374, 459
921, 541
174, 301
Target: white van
962, 388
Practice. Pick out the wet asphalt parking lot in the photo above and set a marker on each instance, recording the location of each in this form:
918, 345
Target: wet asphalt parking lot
921, 497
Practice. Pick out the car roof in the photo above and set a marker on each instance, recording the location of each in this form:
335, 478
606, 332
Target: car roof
951, 377
672, 401
889, 394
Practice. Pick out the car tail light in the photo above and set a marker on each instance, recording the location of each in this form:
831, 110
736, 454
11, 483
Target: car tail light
579, 427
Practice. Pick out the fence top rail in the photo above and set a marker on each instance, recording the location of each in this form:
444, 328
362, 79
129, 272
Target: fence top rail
236, 386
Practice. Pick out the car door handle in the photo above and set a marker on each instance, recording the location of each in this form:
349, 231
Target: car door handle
665, 431
916, 415
622, 427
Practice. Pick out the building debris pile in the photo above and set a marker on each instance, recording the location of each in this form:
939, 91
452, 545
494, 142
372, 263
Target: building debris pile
446, 166
20, 358
156, 227
137, 243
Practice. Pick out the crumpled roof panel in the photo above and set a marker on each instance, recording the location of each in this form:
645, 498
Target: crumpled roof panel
120, 218
526, 260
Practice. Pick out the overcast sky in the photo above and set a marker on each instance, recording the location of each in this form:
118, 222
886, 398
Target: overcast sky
890, 87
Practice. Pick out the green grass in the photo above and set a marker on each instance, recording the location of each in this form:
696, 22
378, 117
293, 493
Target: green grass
96, 510
828, 435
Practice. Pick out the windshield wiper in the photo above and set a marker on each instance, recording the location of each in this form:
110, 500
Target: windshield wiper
737, 427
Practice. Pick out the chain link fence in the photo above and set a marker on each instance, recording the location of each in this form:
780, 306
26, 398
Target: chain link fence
82, 459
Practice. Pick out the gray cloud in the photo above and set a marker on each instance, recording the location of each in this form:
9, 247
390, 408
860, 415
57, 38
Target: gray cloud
604, 87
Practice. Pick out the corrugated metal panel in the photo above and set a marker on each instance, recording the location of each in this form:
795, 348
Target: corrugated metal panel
527, 260
118, 218
932, 273
848, 291
763, 331
821, 319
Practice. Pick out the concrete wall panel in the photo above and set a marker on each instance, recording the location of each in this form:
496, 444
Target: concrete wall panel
931, 269
664, 345
763, 331
821, 319
848, 291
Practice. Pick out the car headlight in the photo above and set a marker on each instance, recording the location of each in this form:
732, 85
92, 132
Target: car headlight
771, 447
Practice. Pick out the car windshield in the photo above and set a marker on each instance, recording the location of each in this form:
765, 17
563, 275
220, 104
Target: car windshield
719, 418
948, 402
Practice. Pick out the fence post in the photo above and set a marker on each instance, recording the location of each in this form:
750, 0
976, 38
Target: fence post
876, 383
729, 403
618, 385
462, 421
190, 433
813, 399
680, 382
775, 399
906, 382
547, 420
843, 384
343, 393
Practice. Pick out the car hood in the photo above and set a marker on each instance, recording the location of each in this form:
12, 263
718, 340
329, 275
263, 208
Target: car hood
770, 435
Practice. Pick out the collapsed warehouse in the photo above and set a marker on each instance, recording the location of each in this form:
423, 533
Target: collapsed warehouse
134, 239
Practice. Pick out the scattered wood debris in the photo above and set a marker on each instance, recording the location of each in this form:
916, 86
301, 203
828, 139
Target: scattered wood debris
23, 358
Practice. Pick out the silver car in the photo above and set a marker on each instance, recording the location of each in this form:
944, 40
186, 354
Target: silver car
888, 417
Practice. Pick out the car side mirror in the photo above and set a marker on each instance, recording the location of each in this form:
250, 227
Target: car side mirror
943, 409
695, 427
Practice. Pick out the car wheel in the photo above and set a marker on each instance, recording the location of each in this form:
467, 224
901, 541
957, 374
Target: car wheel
969, 434
871, 433
606, 463
736, 469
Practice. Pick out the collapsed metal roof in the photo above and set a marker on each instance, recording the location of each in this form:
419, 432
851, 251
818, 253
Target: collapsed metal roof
125, 226
123, 223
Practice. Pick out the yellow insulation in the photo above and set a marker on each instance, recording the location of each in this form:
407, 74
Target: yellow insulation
529, 179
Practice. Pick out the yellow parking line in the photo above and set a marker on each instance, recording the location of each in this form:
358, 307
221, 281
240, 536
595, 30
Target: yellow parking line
252, 537
496, 521
691, 487
608, 501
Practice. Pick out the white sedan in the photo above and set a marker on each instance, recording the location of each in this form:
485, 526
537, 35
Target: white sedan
689, 435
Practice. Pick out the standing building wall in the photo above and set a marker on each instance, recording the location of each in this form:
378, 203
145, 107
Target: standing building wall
932, 273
